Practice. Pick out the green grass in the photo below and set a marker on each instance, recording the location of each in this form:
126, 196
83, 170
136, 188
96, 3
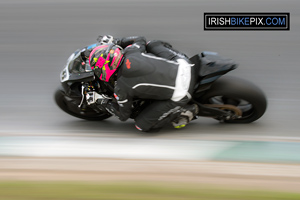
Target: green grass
129, 191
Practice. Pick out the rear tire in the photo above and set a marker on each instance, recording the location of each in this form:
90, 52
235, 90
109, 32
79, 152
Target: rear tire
240, 93
71, 107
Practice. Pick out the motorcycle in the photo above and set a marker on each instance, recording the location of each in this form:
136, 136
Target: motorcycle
227, 99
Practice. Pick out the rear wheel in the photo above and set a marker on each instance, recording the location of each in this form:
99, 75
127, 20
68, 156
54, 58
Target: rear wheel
70, 106
241, 94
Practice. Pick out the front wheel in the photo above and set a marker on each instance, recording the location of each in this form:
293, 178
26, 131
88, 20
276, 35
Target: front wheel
240, 93
70, 106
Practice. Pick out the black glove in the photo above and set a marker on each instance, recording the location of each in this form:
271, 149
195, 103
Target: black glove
102, 104
113, 108
109, 106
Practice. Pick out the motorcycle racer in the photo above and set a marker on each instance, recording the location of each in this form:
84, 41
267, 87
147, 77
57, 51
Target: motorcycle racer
148, 71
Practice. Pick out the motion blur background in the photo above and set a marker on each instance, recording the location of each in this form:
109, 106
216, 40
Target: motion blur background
37, 37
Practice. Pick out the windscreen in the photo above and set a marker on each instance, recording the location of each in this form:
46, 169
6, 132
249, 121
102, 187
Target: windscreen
76, 64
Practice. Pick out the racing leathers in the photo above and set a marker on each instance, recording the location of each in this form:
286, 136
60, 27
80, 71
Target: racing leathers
153, 71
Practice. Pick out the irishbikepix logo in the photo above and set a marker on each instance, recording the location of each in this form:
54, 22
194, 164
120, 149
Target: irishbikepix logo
247, 21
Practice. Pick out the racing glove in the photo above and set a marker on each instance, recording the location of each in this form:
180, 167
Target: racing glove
111, 107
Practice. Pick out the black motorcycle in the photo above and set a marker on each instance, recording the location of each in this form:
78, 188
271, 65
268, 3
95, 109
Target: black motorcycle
227, 99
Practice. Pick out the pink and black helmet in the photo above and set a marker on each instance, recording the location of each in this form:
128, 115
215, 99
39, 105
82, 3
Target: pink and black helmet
105, 60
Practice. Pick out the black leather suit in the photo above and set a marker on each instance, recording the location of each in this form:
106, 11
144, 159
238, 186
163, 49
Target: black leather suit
152, 71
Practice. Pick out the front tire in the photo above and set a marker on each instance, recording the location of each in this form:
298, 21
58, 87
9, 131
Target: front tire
243, 94
70, 106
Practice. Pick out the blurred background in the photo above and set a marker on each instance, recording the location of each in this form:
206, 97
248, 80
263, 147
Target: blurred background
37, 37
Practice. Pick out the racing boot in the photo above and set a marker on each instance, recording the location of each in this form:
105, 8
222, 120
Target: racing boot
188, 114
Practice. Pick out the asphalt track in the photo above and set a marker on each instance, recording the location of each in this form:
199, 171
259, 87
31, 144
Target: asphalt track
36, 38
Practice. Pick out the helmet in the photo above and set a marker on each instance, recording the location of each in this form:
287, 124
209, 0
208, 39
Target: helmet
105, 60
